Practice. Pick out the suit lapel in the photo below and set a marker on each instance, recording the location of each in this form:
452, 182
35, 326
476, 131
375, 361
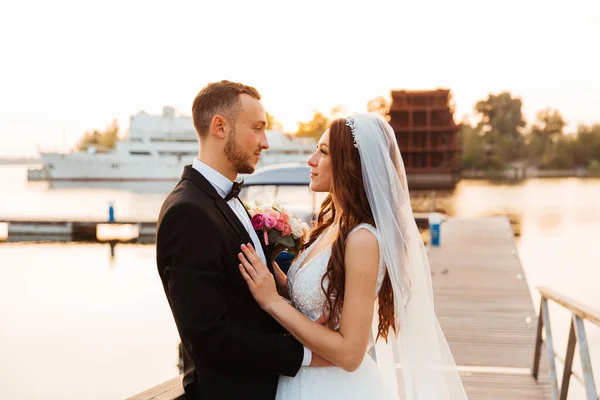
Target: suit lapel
261, 238
230, 216
233, 220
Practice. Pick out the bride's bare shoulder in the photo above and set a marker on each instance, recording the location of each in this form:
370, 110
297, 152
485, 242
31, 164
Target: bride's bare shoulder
362, 245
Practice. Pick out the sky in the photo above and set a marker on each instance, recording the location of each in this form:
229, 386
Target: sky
71, 66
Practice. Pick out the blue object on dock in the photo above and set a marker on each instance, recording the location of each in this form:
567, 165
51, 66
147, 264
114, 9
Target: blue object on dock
435, 221
111, 212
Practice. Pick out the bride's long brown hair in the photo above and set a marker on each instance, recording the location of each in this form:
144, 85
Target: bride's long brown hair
348, 190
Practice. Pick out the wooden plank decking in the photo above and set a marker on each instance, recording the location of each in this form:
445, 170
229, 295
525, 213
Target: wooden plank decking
485, 310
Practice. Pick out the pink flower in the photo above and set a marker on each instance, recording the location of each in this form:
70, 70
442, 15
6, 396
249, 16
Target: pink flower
269, 221
280, 224
287, 229
284, 217
273, 214
257, 221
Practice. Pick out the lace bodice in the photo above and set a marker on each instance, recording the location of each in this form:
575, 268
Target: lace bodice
304, 281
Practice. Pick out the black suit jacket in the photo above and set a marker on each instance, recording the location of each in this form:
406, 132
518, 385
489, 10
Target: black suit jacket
232, 348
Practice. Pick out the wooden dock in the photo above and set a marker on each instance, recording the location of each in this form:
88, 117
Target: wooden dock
143, 232
12, 230
485, 309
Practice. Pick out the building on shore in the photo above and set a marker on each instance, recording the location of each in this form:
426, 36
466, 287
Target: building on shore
427, 136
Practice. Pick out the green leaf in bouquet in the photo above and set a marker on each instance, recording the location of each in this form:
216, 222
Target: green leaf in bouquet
273, 235
286, 241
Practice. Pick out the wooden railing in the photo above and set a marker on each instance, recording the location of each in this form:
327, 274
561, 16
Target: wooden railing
169, 390
577, 335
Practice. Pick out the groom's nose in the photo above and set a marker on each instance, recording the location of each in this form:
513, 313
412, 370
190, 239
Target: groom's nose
263, 143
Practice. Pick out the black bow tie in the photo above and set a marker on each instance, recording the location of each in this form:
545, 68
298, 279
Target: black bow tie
235, 190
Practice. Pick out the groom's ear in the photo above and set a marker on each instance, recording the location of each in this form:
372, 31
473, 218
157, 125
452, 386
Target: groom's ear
219, 127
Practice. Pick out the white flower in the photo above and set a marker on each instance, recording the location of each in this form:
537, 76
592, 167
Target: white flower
305, 228
276, 205
296, 228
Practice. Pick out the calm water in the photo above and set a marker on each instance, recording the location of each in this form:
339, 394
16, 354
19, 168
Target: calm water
76, 323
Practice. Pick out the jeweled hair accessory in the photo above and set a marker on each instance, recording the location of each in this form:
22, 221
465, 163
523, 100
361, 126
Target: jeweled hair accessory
350, 123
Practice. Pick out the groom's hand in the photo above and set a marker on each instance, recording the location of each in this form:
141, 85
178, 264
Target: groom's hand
323, 319
318, 361
280, 280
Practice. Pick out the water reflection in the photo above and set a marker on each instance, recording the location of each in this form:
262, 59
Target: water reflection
98, 327
72, 200
98, 318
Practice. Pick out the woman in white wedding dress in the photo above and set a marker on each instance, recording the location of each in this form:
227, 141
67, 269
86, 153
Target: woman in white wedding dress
361, 288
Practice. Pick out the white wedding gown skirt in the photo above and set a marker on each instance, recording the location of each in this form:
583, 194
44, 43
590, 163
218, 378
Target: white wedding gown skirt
332, 383
329, 383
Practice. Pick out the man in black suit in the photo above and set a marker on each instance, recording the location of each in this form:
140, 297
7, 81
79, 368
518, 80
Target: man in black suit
232, 348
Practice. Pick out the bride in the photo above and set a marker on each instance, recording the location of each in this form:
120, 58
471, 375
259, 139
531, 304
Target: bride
361, 288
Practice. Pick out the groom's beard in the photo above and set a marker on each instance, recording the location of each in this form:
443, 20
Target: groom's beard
236, 156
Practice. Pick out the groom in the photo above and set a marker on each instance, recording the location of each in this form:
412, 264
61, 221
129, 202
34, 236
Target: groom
232, 348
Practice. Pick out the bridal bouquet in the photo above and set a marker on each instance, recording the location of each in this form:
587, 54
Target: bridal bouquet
281, 230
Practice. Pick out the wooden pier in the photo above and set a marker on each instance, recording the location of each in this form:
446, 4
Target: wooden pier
485, 309
12, 230
143, 232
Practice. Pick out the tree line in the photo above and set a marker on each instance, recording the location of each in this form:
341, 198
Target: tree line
501, 137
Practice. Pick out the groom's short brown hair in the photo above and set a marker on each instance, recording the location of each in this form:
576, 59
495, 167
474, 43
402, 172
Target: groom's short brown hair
218, 98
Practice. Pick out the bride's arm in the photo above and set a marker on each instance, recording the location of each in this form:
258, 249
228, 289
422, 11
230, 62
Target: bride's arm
347, 347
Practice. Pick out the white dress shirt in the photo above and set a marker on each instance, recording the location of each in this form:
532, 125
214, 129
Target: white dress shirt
223, 186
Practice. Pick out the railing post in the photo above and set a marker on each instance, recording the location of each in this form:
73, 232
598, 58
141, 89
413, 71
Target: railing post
550, 349
586, 362
566, 380
538, 343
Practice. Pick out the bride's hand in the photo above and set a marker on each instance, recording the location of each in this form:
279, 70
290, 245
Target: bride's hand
280, 280
258, 277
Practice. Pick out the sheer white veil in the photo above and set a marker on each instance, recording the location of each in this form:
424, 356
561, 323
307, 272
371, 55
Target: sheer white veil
417, 360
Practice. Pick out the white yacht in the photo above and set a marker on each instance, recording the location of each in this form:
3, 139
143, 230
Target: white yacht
156, 149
